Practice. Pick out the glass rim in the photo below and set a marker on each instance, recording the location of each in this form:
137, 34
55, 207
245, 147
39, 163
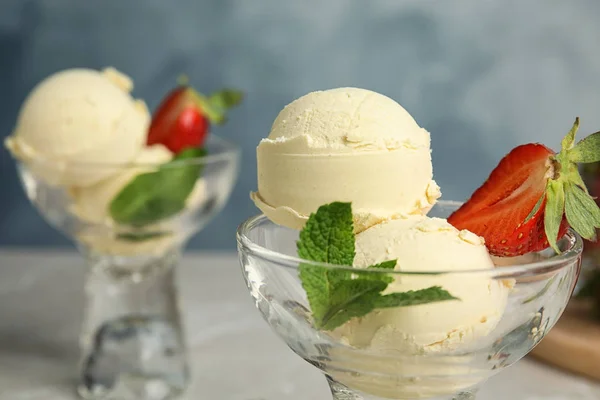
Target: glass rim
228, 153
574, 250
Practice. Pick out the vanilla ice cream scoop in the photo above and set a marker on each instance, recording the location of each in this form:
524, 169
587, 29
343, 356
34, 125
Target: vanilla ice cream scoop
77, 125
91, 203
423, 244
344, 144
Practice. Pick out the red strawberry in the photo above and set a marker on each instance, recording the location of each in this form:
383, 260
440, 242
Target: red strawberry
182, 119
531, 198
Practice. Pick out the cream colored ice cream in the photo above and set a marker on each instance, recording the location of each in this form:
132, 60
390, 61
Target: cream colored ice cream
422, 243
344, 144
92, 203
76, 123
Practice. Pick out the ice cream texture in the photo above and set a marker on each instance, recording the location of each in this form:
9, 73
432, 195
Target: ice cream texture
345, 144
424, 244
92, 203
78, 125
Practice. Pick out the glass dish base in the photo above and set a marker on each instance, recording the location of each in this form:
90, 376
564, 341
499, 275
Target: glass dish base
342, 392
132, 340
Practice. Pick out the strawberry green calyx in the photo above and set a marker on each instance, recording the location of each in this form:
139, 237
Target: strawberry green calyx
215, 106
566, 194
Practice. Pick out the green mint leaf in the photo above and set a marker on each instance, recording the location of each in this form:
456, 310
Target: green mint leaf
581, 211
141, 236
337, 295
391, 264
587, 150
328, 235
553, 213
414, 298
350, 298
153, 196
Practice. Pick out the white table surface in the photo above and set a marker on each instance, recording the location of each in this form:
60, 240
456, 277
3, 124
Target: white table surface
235, 356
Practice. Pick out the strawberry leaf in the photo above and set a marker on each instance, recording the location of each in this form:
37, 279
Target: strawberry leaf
553, 213
535, 208
582, 212
587, 150
577, 216
574, 177
215, 107
226, 98
214, 114
569, 140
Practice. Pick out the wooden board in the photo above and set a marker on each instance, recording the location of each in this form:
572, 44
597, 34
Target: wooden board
574, 343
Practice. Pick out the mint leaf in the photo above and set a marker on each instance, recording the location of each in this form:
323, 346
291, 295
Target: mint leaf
337, 295
414, 297
351, 298
153, 196
328, 235
391, 264
141, 236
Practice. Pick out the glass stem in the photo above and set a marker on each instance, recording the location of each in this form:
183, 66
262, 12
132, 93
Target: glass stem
132, 340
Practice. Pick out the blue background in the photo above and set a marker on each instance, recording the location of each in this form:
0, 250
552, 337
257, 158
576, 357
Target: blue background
481, 76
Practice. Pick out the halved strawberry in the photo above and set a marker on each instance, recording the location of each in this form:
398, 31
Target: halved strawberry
182, 119
531, 198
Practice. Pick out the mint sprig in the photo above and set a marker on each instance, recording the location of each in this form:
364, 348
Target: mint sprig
153, 196
337, 295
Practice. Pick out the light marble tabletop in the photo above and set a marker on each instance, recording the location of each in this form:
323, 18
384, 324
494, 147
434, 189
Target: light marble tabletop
235, 356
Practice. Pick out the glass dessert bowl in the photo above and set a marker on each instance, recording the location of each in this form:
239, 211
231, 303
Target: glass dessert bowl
443, 350
132, 229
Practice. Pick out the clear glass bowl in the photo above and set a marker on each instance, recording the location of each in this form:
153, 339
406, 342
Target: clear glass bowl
132, 338
538, 287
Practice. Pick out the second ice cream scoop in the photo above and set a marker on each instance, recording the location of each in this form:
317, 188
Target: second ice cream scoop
424, 244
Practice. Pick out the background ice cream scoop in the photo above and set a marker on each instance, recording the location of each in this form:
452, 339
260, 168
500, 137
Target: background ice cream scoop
423, 244
344, 144
78, 125
92, 203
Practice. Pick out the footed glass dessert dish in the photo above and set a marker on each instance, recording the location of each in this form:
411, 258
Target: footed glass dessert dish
444, 350
131, 228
